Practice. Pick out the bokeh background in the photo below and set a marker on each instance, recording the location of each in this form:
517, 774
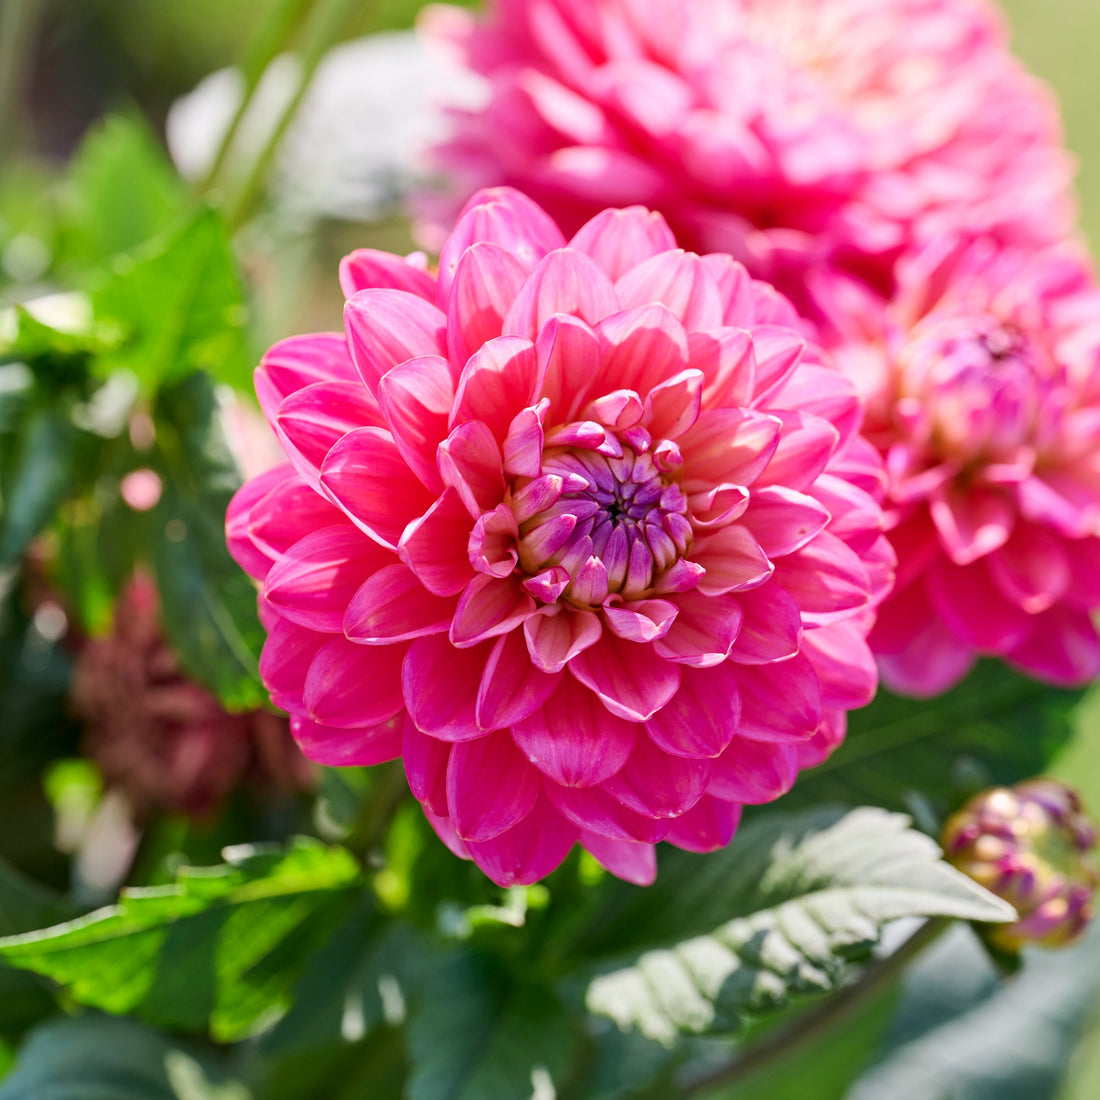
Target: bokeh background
94, 56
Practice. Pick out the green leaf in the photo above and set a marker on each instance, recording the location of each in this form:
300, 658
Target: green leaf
180, 306
477, 1035
209, 605
996, 727
964, 1032
219, 949
122, 190
792, 901
98, 1058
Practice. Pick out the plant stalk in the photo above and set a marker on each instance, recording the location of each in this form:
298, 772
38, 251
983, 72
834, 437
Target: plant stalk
828, 1017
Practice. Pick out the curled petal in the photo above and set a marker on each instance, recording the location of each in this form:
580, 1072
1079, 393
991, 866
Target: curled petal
436, 546
556, 635
489, 607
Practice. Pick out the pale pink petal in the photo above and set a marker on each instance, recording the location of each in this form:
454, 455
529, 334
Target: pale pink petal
470, 462
556, 635
387, 327
569, 365
673, 406
806, 443
436, 546
641, 348
725, 356
619, 240
566, 281
733, 559
489, 607
783, 520
777, 351
971, 522
416, 399
485, 285
490, 787
679, 281
368, 269
728, 445
496, 383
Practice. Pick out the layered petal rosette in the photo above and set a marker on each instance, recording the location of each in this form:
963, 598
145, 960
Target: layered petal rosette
983, 387
584, 531
801, 136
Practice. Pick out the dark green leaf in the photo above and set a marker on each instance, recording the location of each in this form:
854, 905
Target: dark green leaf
220, 949
180, 306
209, 605
98, 1058
995, 727
786, 906
475, 1035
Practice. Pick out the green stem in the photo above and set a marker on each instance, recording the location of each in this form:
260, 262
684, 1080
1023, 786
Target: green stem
270, 37
828, 1017
379, 809
18, 27
324, 30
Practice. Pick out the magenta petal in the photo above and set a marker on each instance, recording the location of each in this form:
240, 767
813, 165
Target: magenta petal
369, 269
490, 787
446, 832
416, 399
486, 283
593, 809
496, 383
313, 581
656, 784
277, 520
783, 520
627, 859
313, 419
253, 559
754, 772
640, 620
842, 660
972, 524
470, 462
556, 635
733, 560
701, 718
528, 851
298, 362
972, 607
806, 443
681, 282
425, 760
489, 607
706, 827
511, 687
393, 606
619, 240
368, 478
1062, 649
565, 281
441, 686
631, 680
435, 546
351, 686
705, 630
1032, 569
572, 739
285, 660
348, 748
824, 576
779, 702
771, 627
387, 327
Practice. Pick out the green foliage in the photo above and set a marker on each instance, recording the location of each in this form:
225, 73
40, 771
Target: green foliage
791, 900
179, 305
218, 950
209, 605
997, 726
99, 1058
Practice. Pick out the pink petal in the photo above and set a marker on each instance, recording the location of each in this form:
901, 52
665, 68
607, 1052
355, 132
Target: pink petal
705, 630
387, 327
1062, 649
490, 787
313, 419
470, 462
673, 406
278, 519
369, 269
348, 748
492, 545
777, 352
1032, 569
631, 680
285, 660
435, 546
446, 832
1059, 501
707, 826
843, 663
701, 718
825, 576
511, 687
425, 759
565, 281
593, 809
504, 217
497, 382
489, 607
486, 283
528, 851
393, 606
569, 365
679, 281
314, 580
779, 702
771, 626
824, 392
783, 520
300, 361
619, 240
253, 559
626, 859
754, 772
656, 784
639, 620
971, 523
933, 661
973, 608
350, 686
1083, 557
441, 686
728, 445
641, 348
368, 478
725, 357
572, 739
525, 441
555, 636
733, 560
806, 443
416, 399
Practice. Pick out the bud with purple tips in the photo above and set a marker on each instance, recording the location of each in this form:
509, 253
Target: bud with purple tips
1032, 845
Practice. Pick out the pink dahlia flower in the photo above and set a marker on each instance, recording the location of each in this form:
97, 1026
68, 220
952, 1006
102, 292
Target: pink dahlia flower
801, 136
983, 383
158, 737
583, 531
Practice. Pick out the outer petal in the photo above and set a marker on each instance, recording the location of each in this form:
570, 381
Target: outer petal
393, 606
441, 685
368, 269
342, 748
298, 362
630, 679
254, 560
490, 787
512, 687
754, 772
701, 718
566, 281
1062, 649
707, 826
780, 702
387, 327
416, 398
619, 240
627, 859
350, 686
528, 851
656, 784
486, 283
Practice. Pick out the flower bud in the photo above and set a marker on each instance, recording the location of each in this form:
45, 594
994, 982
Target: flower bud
1031, 845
